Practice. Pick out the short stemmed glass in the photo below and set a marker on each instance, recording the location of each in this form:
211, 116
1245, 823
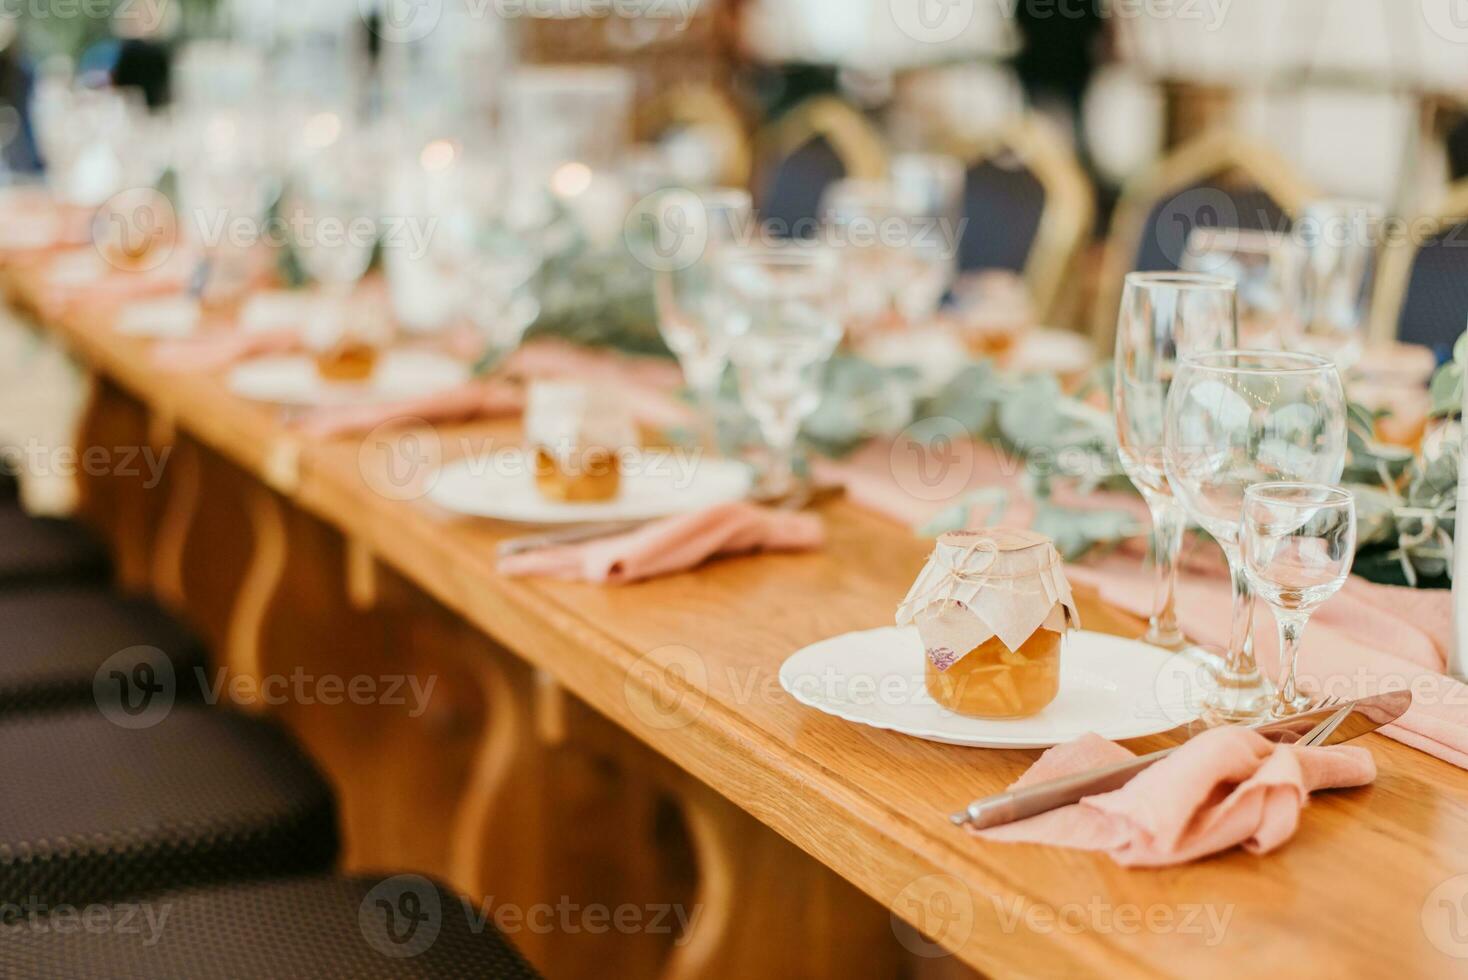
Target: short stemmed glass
1299, 541
783, 312
1164, 316
1234, 419
691, 232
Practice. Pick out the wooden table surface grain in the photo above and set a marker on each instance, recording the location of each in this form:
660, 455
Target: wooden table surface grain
689, 665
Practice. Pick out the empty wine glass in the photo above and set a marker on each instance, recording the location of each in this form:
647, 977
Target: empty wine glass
1336, 243
1262, 266
504, 297
782, 310
1164, 316
691, 231
332, 206
1234, 419
227, 179
1299, 541
897, 238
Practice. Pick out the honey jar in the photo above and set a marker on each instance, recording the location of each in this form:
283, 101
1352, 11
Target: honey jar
347, 361
346, 336
992, 608
577, 436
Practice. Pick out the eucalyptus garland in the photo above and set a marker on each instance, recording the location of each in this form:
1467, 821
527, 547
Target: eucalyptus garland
1406, 501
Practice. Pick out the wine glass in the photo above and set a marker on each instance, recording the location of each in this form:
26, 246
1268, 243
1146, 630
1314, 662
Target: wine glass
332, 206
928, 190
1337, 257
1299, 541
1164, 316
692, 231
504, 299
782, 311
1237, 418
897, 238
1265, 270
227, 179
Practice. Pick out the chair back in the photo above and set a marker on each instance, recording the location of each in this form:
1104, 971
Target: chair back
1422, 285
806, 150
1028, 206
1220, 179
712, 114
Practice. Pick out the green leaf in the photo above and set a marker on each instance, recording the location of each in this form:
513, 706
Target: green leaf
1076, 532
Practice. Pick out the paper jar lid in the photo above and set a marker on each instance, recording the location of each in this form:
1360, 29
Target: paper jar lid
1002, 582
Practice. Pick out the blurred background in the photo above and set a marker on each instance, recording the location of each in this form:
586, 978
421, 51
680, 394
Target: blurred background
1095, 136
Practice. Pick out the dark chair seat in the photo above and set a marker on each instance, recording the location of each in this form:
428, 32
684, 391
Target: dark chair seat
319, 927
45, 551
54, 643
93, 811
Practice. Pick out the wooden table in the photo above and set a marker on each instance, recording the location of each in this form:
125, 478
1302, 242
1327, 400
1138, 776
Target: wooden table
688, 665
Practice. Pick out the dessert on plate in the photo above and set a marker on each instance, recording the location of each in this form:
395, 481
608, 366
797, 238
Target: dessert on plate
577, 434
992, 607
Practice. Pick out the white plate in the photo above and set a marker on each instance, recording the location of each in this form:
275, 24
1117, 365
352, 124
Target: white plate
292, 379
655, 483
1114, 687
169, 317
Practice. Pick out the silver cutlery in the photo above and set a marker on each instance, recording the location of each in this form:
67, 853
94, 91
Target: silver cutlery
1328, 723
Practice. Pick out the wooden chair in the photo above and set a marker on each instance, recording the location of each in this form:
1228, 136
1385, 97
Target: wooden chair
709, 109
1422, 277
1219, 179
810, 147
1029, 207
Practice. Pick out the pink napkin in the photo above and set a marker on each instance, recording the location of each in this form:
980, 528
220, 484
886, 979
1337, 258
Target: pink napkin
1368, 639
478, 399
911, 484
673, 544
1227, 787
221, 349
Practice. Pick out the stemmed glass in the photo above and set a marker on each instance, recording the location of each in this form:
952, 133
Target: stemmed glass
333, 205
504, 299
227, 179
782, 310
1299, 540
1265, 270
897, 238
1234, 419
691, 234
1335, 240
1164, 316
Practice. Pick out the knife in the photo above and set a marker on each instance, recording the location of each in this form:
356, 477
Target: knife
1337, 724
